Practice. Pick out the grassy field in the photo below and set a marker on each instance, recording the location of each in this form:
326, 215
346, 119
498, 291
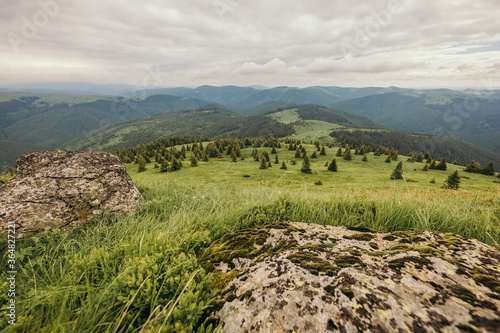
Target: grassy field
140, 273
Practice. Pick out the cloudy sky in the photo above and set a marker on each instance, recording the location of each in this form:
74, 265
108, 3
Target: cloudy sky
406, 43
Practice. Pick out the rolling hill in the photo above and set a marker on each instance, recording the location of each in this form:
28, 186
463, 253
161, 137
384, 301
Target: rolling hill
474, 120
41, 121
210, 121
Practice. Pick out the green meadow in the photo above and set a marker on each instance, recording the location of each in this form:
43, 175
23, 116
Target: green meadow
140, 272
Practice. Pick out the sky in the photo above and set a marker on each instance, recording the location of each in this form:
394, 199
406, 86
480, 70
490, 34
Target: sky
164, 43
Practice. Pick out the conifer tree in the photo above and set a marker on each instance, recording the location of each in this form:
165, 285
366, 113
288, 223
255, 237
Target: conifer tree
176, 165
420, 158
453, 181
283, 166
313, 155
456, 162
441, 165
269, 165
347, 155
426, 167
339, 152
292, 162
265, 154
263, 163
326, 163
365, 158
164, 165
490, 169
256, 158
333, 166
194, 161
304, 153
306, 165
156, 166
233, 156
432, 166
142, 163
398, 172
473, 166
276, 161
273, 151
242, 157
323, 151
205, 156
388, 159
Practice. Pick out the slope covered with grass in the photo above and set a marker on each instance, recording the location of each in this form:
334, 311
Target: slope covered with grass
141, 271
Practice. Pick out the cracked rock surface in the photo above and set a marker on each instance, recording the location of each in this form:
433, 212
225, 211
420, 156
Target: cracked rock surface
64, 188
299, 277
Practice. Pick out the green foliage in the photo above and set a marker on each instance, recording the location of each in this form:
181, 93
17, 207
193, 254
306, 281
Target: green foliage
194, 161
141, 163
441, 165
283, 166
398, 171
333, 166
306, 165
453, 181
347, 154
365, 158
263, 163
489, 170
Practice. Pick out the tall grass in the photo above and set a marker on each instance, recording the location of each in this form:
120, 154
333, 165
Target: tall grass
140, 272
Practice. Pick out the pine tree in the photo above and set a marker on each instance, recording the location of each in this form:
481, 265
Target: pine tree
269, 165
365, 158
473, 166
242, 157
219, 155
176, 164
283, 166
306, 165
233, 156
263, 163
313, 155
388, 159
426, 167
420, 158
453, 181
456, 162
273, 151
323, 151
490, 169
347, 155
142, 163
205, 157
432, 166
292, 162
398, 172
333, 166
441, 165
265, 154
164, 165
276, 160
156, 166
194, 161
339, 152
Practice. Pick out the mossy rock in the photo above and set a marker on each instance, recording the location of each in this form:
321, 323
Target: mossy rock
293, 276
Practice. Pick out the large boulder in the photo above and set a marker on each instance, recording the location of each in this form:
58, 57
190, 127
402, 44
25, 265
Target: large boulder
301, 277
64, 188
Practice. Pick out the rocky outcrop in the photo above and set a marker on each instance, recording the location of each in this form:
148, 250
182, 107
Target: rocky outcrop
291, 276
64, 188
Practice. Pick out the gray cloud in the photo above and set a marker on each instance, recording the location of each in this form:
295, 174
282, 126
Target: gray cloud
294, 42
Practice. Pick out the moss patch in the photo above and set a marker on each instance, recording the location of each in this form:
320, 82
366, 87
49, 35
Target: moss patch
312, 262
418, 262
361, 237
487, 281
348, 261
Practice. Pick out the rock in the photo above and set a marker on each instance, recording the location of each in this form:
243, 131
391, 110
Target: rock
64, 188
294, 276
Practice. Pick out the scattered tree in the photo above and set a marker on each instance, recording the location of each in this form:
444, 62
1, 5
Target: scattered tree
194, 161
490, 169
365, 158
453, 181
333, 166
306, 165
323, 151
283, 166
441, 165
398, 172
263, 163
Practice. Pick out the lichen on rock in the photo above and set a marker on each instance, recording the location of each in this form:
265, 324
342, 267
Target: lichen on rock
293, 276
64, 188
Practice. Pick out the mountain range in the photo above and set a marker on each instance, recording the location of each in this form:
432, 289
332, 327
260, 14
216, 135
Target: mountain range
33, 121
